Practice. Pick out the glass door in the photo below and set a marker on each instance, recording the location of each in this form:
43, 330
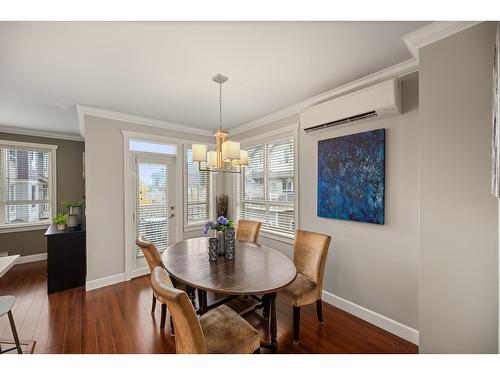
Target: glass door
154, 202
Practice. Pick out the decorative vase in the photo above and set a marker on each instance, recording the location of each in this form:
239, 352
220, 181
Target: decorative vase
61, 227
213, 249
229, 243
72, 221
220, 243
76, 210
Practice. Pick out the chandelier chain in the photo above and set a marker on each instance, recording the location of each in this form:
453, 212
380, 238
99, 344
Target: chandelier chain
220, 106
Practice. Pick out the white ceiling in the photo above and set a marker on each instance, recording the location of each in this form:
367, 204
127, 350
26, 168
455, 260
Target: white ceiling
163, 70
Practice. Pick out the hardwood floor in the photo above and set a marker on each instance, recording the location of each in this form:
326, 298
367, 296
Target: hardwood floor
117, 319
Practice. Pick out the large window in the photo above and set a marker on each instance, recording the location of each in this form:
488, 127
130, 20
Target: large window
26, 184
198, 198
266, 187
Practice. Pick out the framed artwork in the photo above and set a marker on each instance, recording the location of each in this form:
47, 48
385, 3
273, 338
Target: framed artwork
351, 177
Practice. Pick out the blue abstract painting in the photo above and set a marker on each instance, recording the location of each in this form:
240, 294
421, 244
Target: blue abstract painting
351, 177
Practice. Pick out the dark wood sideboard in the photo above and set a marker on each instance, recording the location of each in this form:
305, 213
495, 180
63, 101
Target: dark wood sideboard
66, 258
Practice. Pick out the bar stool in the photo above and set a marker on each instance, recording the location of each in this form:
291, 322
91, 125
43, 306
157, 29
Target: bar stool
6, 304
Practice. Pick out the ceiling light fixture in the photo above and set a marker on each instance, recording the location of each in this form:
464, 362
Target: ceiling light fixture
227, 157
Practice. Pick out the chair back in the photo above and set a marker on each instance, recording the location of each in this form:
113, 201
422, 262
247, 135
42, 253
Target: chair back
309, 254
150, 253
189, 337
248, 230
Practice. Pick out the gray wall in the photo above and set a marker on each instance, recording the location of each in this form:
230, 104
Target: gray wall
69, 188
105, 192
374, 266
458, 287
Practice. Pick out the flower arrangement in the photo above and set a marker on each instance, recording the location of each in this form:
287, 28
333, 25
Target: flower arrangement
220, 225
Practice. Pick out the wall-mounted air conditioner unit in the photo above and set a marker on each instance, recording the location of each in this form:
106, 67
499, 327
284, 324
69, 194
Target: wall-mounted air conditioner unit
376, 101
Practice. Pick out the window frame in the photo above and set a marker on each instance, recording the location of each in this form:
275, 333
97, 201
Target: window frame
289, 131
52, 194
196, 226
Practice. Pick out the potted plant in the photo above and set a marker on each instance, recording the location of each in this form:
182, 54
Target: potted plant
60, 221
75, 208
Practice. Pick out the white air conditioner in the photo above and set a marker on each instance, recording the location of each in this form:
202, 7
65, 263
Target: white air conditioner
376, 101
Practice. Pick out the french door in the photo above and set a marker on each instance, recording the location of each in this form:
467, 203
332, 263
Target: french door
154, 214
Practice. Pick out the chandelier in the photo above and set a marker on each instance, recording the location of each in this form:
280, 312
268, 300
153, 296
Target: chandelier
227, 157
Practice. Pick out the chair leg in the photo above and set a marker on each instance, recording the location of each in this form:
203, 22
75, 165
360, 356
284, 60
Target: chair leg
172, 332
319, 310
153, 305
14, 333
296, 324
163, 315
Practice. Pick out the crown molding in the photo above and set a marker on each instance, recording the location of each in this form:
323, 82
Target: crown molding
40, 133
398, 70
83, 110
434, 32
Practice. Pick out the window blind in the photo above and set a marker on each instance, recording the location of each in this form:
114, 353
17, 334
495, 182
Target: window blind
266, 187
153, 205
24, 186
198, 192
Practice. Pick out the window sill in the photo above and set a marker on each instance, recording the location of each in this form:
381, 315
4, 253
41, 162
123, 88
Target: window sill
277, 237
193, 228
24, 227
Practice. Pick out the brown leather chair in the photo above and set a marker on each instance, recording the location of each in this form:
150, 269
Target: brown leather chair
309, 256
153, 258
220, 330
248, 230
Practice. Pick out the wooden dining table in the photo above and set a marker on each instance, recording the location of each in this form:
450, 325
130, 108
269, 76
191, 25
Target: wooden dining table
256, 270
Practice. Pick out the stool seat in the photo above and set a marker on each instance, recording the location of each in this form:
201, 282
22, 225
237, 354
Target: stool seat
6, 304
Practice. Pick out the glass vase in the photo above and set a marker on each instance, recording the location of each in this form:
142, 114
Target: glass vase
213, 249
220, 243
229, 243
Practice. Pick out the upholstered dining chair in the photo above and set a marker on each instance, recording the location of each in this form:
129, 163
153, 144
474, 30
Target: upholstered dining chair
309, 256
220, 330
248, 230
153, 258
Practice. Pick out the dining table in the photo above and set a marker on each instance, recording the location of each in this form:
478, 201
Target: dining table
256, 270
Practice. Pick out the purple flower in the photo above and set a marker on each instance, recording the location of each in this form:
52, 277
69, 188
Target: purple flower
208, 225
222, 220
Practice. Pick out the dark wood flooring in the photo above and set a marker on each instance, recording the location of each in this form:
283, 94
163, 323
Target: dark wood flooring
117, 319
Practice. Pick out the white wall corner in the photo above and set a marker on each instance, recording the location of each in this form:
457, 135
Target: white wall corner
399, 329
83, 110
434, 32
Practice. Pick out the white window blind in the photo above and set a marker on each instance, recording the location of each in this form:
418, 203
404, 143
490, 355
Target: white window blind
198, 192
25, 186
153, 204
266, 187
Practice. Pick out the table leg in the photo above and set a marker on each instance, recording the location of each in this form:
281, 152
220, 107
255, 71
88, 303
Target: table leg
272, 326
202, 300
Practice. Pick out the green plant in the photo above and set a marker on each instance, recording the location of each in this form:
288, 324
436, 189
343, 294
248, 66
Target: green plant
60, 219
68, 204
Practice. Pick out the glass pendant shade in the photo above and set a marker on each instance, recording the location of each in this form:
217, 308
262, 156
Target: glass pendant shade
200, 152
243, 157
211, 158
230, 151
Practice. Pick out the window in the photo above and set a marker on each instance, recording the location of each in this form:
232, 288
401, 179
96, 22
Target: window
198, 192
27, 179
266, 186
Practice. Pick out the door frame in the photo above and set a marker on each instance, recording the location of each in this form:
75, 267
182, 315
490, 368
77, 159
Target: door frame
129, 189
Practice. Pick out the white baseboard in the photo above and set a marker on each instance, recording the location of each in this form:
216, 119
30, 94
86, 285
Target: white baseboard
381, 321
139, 272
105, 281
32, 258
